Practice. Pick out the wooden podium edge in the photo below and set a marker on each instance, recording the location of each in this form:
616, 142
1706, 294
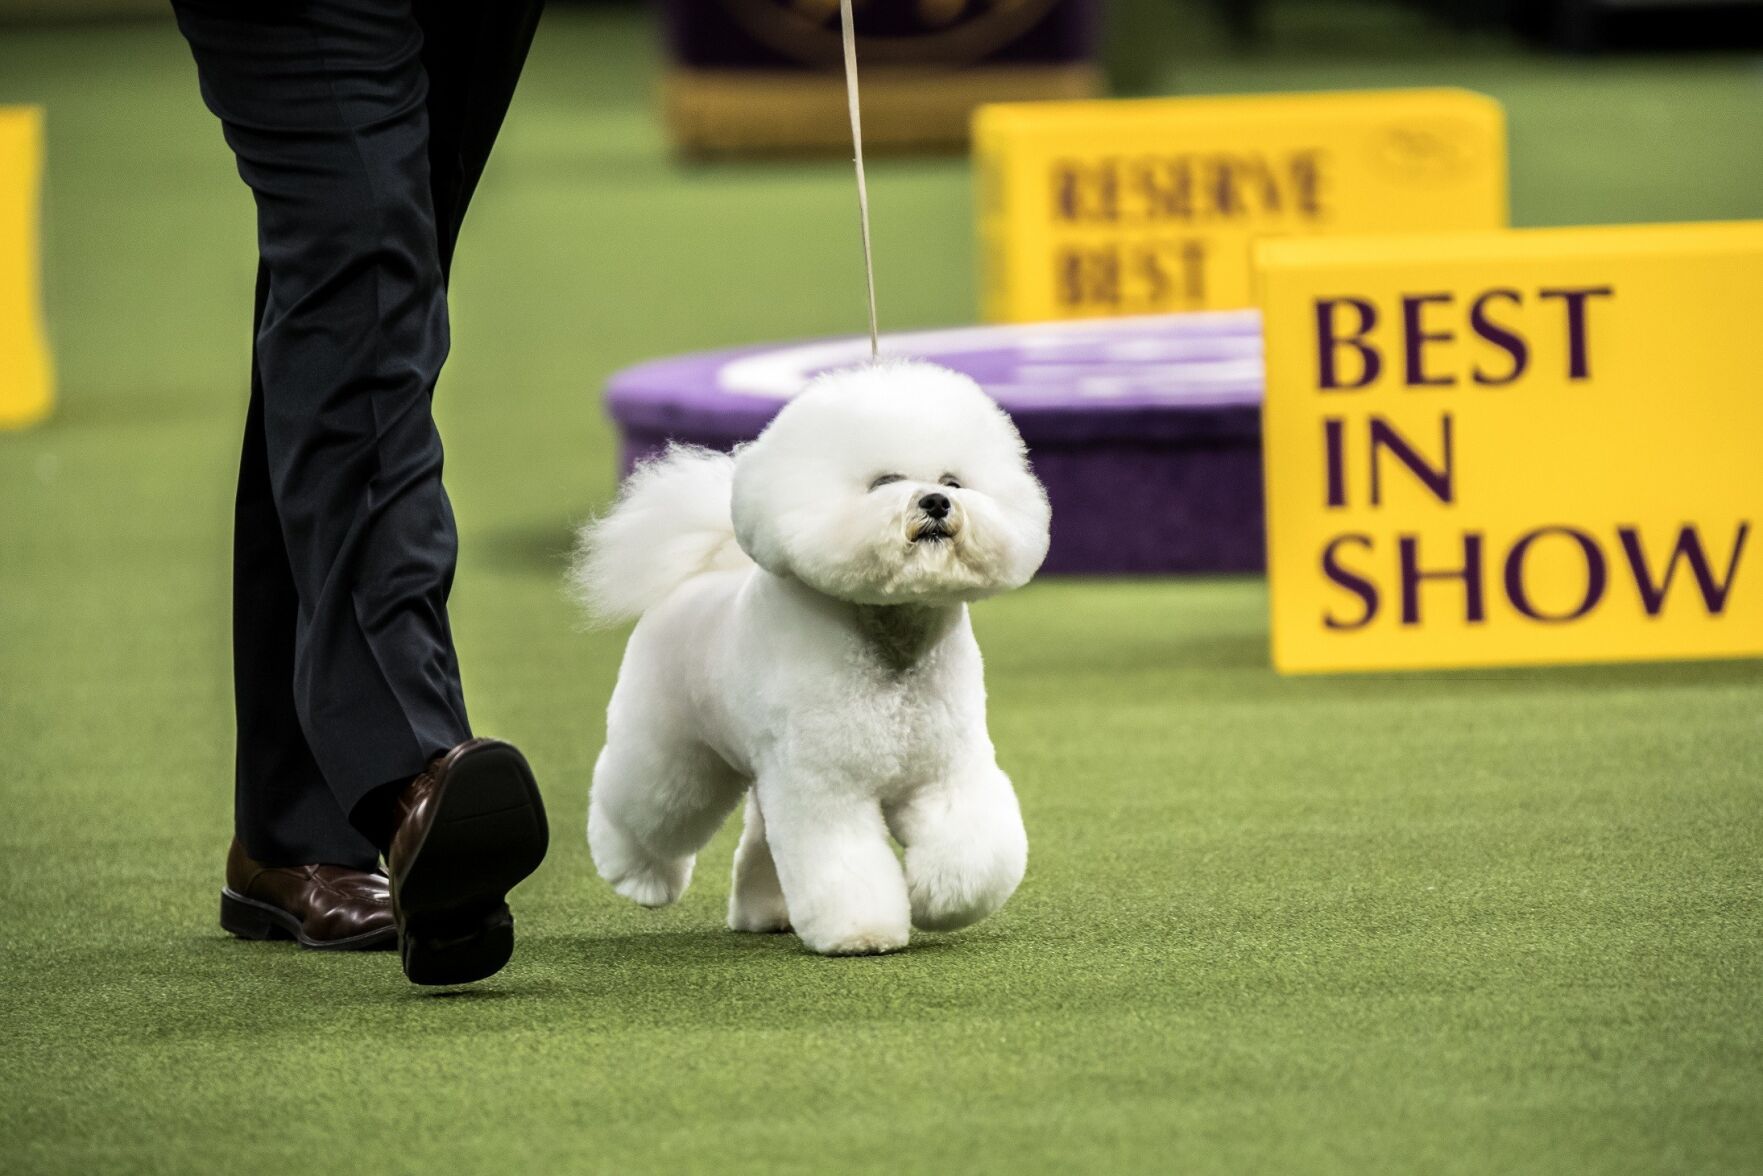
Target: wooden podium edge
727, 112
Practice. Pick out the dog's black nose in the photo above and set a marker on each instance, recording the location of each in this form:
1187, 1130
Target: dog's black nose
934, 505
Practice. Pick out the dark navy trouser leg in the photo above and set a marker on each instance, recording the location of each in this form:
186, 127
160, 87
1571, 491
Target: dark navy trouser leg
352, 121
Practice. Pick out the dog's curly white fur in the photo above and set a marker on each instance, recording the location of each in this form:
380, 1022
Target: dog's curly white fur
804, 641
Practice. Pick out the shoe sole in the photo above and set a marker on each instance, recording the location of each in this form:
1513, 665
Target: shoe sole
450, 898
247, 918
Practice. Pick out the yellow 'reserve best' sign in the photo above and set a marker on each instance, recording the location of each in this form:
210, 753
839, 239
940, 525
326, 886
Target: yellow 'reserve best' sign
1150, 206
26, 377
1517, 447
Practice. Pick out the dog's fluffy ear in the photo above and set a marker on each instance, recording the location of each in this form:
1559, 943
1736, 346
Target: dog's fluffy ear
756, 483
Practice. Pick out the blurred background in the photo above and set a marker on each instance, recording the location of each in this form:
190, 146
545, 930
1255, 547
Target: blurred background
672, 176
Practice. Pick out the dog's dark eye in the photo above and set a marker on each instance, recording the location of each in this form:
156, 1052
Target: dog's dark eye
884, 480
949, 481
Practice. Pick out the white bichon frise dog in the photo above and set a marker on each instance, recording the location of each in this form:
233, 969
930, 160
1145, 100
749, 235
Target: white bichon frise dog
804, 640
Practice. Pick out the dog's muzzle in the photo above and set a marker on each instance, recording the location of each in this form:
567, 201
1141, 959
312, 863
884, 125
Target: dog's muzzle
934, 520
931, 531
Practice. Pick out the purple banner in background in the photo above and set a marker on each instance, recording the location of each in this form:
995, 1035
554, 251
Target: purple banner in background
780, 34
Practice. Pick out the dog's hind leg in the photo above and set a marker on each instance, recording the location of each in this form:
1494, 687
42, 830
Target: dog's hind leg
651, 810
966, 849
756, 899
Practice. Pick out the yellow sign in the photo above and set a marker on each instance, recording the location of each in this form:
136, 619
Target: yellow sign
1517, 447
1150, 206
27, 383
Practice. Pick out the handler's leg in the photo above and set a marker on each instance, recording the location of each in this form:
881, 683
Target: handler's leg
283, 811
297, 868
473, 54
323, 104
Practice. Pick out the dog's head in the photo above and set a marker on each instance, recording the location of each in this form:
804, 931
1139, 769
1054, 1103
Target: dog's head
892, 483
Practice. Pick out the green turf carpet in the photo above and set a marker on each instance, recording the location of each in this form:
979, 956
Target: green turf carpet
1469, 923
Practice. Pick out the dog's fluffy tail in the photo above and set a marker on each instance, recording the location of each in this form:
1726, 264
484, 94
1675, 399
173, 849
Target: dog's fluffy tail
672, 521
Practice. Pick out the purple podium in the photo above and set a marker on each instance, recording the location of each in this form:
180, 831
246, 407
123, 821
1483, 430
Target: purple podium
1146, 431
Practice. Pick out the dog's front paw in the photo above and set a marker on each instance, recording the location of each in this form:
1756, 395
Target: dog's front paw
958, 873
952, 886
860, 941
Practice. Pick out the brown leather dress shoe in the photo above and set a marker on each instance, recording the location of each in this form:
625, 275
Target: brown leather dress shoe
468, 829
327, 908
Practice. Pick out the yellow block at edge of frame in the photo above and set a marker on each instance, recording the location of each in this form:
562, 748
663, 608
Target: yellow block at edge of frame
1527, 447
1151, 206
27, 376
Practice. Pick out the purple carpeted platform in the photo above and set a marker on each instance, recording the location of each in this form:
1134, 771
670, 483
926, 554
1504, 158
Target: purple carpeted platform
1146, 431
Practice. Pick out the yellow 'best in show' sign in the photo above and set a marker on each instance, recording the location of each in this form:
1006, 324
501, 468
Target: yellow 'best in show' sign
1518, 447
1150, 206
